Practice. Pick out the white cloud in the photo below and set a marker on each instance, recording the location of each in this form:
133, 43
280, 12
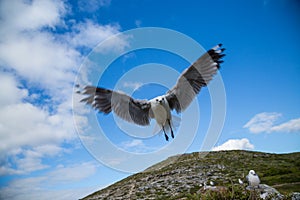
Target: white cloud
89, 34
47, 59
29, 160
265, 122
36, 62
235, 144
9, 90
133, 143
34, 53
262, 122
128, 56
29, 132
25, 124
137, 146
37, 69
290, 126
38, 187
38, 57
34, 14
132, 85
66, 174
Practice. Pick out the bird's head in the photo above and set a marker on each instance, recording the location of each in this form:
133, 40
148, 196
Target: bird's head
252, 172
159, 100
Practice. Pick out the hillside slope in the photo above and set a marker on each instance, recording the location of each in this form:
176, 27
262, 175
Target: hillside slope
185, 176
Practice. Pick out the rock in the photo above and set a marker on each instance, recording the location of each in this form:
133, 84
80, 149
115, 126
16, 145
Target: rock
266, 192
295, 196
189, 175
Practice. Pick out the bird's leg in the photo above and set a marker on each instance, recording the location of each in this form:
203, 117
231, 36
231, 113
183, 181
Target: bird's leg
166, 136
172, 134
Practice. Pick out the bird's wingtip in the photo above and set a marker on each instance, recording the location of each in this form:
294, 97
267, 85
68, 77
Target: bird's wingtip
218, 46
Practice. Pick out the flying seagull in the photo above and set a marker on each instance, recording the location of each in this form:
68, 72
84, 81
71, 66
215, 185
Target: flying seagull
140, 112
253, 178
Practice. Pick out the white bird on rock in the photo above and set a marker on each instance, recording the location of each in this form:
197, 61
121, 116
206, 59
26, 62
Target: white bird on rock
140, 112
253, 178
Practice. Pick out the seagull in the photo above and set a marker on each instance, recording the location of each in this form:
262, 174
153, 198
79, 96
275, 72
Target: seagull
140, 112
253, 178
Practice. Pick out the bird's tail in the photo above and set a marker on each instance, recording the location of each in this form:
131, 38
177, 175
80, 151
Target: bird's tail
157, 129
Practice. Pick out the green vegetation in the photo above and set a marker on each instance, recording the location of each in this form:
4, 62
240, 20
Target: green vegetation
183, 177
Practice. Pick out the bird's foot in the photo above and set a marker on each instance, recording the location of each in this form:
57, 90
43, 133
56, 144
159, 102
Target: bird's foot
172, 134
167, 137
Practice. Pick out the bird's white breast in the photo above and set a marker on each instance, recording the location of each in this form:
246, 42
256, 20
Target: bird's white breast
160, 113
161, 110
254, 180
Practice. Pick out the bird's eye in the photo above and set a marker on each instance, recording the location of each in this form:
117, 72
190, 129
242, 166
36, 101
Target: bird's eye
156, 99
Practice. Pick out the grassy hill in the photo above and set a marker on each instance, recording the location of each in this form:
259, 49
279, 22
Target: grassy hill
184, 176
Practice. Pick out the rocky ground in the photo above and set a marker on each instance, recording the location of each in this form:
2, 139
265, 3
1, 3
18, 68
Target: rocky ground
212, 175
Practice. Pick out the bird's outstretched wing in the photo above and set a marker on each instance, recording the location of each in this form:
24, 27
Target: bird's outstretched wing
193, 78
127, 108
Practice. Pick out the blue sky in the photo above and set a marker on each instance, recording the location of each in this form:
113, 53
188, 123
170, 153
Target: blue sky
46, 45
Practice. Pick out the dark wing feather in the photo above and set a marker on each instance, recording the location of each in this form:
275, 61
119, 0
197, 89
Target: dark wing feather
127, 108
198, 75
